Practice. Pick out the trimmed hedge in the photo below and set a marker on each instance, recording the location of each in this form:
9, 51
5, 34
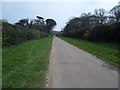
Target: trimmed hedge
15, 34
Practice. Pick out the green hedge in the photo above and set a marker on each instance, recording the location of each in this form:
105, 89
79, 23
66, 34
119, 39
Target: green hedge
108, 33
100, 33
14, 34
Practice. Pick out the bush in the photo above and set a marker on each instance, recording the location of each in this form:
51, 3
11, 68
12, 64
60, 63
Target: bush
15, 34
108, 33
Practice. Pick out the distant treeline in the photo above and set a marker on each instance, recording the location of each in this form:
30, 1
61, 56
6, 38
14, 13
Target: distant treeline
100, 26
15, 34
39, 24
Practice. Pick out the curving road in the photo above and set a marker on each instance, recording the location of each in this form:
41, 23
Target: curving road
71, 67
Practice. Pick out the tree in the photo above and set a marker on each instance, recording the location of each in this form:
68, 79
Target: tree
33, 24
23, 22
50, 24
40, 23
85, 20
75, 27
100, 14
115, 13
40, 20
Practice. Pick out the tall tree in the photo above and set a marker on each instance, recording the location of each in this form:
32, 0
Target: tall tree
40, 23
85, 20
50, 24
40, 19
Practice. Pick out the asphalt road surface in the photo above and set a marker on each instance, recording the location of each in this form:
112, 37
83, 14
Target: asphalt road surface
71, 67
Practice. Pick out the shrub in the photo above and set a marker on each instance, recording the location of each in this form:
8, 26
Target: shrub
15, 34
108, 33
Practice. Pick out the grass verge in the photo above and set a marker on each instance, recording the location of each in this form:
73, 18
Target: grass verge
105, 51
25, 66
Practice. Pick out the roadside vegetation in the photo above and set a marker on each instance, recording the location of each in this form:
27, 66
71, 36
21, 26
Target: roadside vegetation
97, 33
25, 65
24, 30
105, 51
97, 27
0, 55
15, 34
26, 47
1, 68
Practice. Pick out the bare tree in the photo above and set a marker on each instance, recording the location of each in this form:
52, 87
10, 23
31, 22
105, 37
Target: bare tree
100, 14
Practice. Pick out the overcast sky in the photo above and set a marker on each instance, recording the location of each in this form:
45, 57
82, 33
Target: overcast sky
61, 12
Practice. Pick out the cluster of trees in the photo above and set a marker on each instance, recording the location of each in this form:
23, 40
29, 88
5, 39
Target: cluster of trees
25, 30
99, 26
39, 24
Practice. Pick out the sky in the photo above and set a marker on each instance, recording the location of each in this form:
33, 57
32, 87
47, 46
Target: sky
61, 11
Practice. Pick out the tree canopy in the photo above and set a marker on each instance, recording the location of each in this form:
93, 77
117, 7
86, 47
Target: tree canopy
39, 24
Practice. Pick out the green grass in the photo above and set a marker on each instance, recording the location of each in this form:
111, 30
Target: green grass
25, 66
0, 58
105, 51
0, 68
